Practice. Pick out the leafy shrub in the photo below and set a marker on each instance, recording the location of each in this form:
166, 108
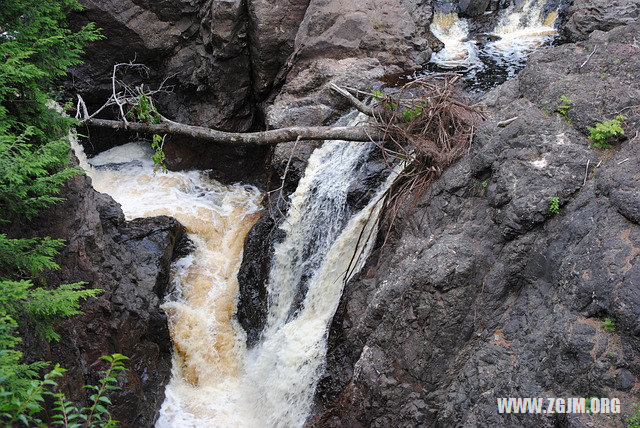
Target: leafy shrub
608, 325
554, 205
605, 133
565, 105
25, 409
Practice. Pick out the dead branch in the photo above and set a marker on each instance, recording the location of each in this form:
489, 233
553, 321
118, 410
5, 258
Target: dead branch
125, 98
589, 57
359, 105
507, 122
275, 136
428, 124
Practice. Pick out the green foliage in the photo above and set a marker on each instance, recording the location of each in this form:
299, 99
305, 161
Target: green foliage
97, 414
565, 105
588, 403
378, 95
604, 133
485, 183
145, 111
25, 409
159, 156
608, 325
554, 205
634, 419
36, 49
411, 113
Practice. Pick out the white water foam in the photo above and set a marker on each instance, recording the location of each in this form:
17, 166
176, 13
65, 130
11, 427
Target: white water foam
216, 381
520, 30
459, 51
275, 381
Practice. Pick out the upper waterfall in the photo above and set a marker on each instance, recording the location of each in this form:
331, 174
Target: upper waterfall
500, 52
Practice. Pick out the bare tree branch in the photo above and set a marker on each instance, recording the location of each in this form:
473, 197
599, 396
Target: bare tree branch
303, 133
359, 105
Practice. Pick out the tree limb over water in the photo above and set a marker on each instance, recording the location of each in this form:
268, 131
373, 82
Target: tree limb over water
136, 112
275, 136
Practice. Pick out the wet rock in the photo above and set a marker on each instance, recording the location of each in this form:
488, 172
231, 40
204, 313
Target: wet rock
485, 293
586, 16
130, 262
253, 277
200, 48
225, 163
273, 29
473, 8
348, 44
218, 59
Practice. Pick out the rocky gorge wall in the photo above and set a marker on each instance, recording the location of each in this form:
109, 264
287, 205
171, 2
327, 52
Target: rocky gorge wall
130, 262
484, 293
487, 294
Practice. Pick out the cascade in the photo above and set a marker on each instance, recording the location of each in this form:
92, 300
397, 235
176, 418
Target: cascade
518, 32
459, 51
216, 381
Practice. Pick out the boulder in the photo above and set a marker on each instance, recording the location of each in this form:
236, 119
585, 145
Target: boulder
586, 16
130, 261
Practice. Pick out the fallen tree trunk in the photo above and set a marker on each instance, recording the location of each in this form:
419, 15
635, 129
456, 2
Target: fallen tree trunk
297, 133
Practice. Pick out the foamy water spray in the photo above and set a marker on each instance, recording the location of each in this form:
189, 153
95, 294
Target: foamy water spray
216, 381
520, 30
321, 237
274, 383
459, 51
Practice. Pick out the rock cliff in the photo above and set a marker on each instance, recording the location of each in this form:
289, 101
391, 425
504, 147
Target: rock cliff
485, 293
130, 262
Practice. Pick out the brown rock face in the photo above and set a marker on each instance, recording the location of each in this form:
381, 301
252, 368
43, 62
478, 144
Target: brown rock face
130, 262
352, 43
219, 58
273, 28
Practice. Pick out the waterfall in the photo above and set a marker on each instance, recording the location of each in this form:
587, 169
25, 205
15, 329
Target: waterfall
216, 381
321, 236
519, 31
459, 51
272, 385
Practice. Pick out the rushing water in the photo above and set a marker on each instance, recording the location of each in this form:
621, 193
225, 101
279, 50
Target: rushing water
519, 31
216, 381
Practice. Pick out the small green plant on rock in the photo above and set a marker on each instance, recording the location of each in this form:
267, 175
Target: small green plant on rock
634, 419
145, 111
605, 133
565, 105
378, 95
589, 400
608, 325
554, 205
411, 113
